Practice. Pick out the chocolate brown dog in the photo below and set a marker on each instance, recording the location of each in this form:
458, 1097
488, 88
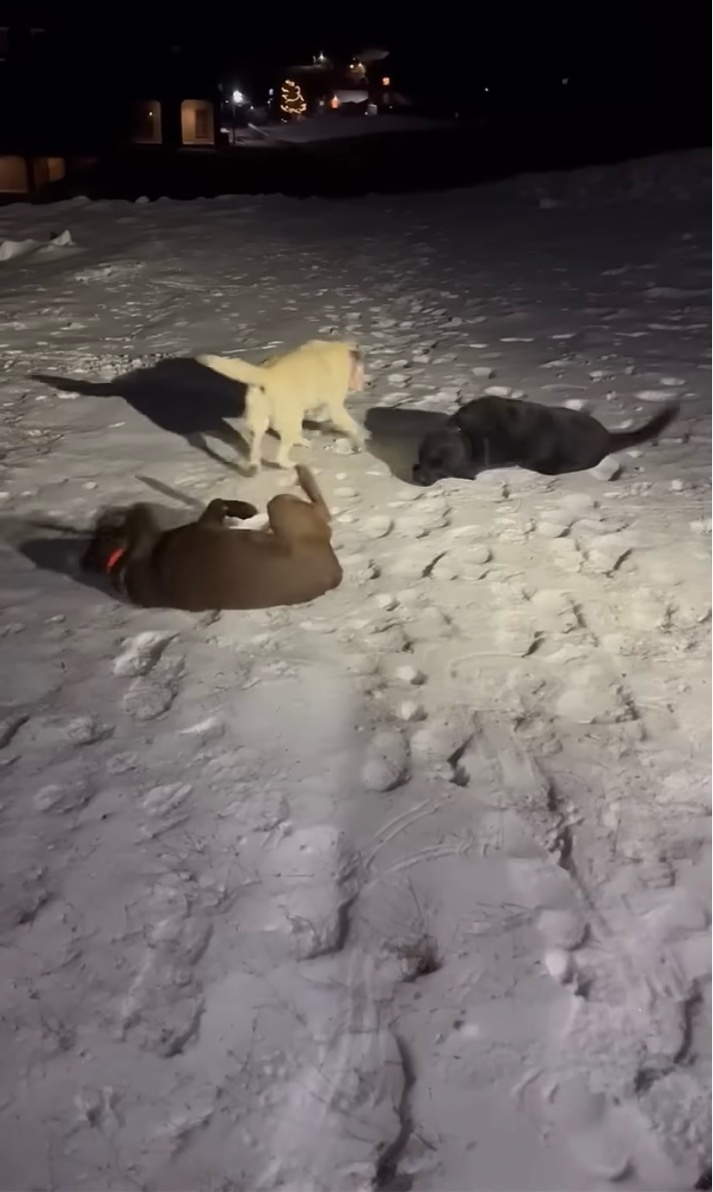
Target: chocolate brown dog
501, 432
206, 565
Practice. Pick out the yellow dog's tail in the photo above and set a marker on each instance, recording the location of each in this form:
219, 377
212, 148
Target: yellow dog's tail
310, 488
235, 369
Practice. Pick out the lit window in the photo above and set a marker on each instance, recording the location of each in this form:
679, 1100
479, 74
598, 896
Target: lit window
197, 122
147, 122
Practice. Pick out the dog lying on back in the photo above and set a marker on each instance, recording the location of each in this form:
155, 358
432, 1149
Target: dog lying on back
500, 432
206, 565
315, 378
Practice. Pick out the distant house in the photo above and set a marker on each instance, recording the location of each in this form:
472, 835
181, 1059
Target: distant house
174, 122
64, 107
174, 100
362, 83
30, 150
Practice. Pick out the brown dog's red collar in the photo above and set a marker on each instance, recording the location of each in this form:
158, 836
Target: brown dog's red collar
116, 574
114, 558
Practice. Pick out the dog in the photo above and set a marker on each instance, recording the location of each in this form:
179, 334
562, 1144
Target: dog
501, 432
206, 565
281, 392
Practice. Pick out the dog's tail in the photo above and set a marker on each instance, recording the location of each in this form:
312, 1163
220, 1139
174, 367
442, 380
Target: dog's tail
167, 491
235, 369
310, 488
621, 440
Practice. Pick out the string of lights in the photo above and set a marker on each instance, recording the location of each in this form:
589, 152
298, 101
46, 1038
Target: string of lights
292, 101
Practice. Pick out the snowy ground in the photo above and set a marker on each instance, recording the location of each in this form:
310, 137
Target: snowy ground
230, 960
336, 128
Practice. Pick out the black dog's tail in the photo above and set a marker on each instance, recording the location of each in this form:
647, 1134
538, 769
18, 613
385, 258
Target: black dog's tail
621, 440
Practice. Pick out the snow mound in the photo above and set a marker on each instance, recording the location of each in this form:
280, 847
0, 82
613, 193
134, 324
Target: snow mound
660, 179
10, 249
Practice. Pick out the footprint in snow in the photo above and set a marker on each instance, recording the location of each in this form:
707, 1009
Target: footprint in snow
9, 725
210, 729
163, 1003
146, 699
378, 526
393, 399
414, 563
163, 808
314, 912
141, 653
62, 797
421, 521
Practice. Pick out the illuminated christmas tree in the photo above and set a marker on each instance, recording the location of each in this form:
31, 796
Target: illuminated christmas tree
292, 101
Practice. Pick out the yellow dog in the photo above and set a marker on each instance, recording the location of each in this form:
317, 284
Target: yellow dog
315, 379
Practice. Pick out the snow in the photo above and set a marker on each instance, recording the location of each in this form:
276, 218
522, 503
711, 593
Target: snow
665, 178
409, 887
337, 128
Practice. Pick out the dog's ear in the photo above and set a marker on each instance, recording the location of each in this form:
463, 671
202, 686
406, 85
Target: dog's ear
110, 520
109, 534
95, 556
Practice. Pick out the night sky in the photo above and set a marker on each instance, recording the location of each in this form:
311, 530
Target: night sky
651, 47
660, 50
653, 61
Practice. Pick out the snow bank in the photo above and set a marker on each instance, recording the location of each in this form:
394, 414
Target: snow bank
336, 128
11, 249
660, 179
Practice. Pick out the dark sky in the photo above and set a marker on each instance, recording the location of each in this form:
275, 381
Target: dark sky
661, 50
499, 34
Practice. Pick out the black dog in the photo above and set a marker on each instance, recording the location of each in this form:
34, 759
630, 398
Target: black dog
499, 432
